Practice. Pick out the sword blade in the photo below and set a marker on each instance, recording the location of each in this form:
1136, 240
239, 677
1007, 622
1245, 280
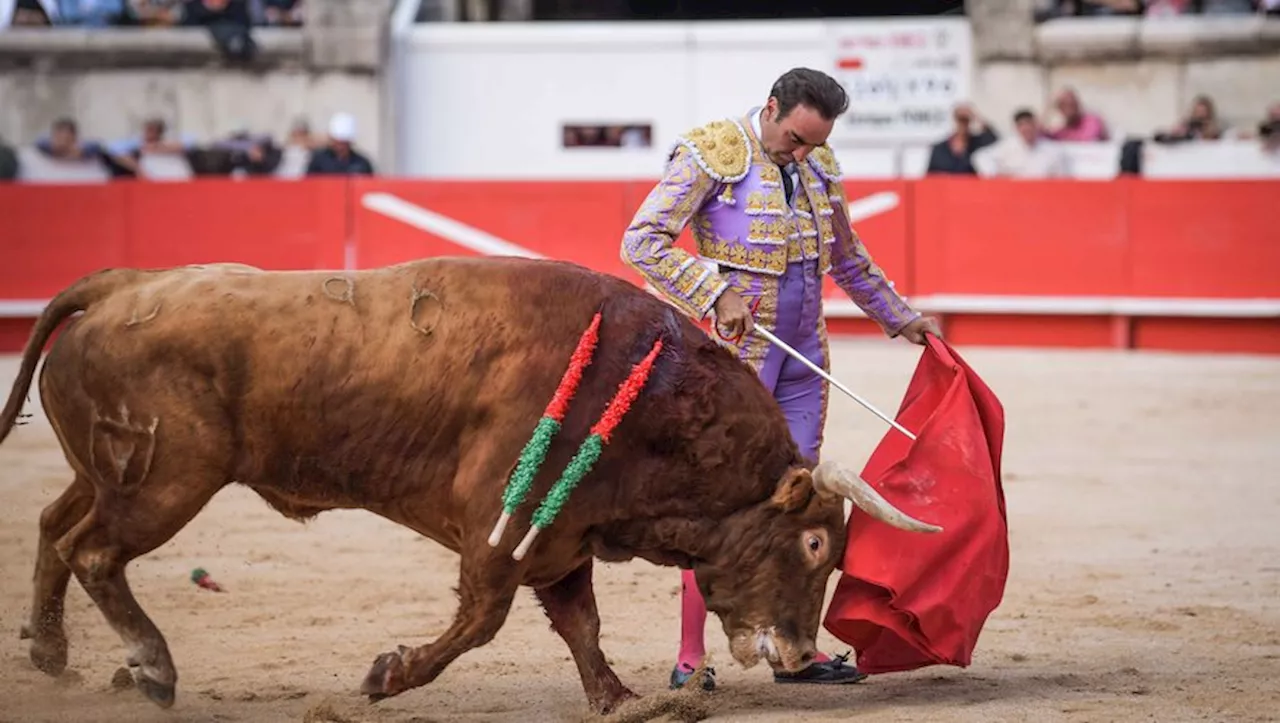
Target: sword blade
830, 379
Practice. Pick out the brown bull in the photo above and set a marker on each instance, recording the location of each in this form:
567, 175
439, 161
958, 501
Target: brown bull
409, 392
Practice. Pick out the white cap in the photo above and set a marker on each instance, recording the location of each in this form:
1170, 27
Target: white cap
342, 127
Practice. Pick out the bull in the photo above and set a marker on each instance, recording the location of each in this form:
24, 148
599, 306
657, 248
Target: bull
408, 391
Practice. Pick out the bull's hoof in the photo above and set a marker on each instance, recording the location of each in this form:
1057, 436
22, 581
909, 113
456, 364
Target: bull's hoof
158, 693
608, 704
387, 676
24, 633
49, 654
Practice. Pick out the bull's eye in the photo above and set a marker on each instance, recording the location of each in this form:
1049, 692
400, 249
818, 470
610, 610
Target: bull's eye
814, 546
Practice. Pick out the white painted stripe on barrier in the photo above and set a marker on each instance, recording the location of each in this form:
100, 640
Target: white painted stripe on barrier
447, 228
861, 209
22, 308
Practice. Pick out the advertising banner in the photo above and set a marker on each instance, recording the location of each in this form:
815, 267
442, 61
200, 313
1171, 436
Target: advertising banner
903, 77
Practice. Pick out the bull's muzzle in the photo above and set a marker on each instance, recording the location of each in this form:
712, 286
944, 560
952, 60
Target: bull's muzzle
831, 477
751, 646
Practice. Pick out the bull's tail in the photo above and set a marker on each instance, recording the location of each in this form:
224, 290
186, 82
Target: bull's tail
77, 297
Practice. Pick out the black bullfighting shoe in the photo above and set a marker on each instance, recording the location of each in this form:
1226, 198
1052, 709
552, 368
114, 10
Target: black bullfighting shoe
682, 673
830, 672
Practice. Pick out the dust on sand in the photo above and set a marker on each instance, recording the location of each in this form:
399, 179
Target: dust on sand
1145, 584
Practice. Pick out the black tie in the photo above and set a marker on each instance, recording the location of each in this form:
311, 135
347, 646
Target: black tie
787, 185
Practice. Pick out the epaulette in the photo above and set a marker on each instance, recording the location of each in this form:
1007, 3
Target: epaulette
823, 160
721, 148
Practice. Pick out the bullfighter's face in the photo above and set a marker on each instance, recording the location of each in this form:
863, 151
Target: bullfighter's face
790, 138
768, 585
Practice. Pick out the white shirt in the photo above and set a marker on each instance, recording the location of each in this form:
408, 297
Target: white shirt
790, 167
1011, 157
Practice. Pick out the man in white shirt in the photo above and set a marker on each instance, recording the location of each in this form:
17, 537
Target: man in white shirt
1025, 154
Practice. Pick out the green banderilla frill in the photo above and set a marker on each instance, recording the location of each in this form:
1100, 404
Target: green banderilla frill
577, 468
590, 450
535, 450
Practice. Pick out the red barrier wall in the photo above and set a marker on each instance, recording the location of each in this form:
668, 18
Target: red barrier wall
50, 236
1128, 238
1199, 238
978, 236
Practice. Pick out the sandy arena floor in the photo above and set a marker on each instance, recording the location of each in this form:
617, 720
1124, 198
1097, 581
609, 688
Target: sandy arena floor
1145, 585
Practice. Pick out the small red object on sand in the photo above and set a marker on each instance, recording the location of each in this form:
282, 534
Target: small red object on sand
202, 579
905, 600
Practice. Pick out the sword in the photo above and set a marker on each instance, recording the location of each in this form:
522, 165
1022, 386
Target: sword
818, 370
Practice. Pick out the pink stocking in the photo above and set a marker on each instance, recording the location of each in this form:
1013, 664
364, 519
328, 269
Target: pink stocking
693, 621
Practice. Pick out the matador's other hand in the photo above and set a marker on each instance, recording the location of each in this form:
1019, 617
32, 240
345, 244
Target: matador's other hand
733, 318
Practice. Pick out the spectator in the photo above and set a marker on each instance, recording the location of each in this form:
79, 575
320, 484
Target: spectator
154, 12
228, 21
1269, 130
953, 154
1168, 8
127, 154
340, 155
63, 143
8, 162
92, 13
210, 12
300, 136
1077, 8
251, 155
1201, 124
1048, 9
1226, 7
28, 13
1026, 154
282, 12
1077, 124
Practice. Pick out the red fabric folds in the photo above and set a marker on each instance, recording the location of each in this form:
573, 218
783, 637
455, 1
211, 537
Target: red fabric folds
907, 600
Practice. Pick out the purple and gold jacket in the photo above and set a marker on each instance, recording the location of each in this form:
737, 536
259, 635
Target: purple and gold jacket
719, 181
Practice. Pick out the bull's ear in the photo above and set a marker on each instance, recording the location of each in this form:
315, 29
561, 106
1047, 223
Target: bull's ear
794, 490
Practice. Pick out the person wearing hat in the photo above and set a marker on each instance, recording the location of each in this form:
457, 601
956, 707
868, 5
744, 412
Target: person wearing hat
339, 157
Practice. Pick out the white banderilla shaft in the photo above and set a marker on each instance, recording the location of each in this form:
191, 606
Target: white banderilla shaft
818, 370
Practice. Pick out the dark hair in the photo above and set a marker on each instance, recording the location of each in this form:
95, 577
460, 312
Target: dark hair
805, 86
65, 123
1023, 114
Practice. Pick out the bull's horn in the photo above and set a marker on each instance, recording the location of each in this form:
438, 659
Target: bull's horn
830, 477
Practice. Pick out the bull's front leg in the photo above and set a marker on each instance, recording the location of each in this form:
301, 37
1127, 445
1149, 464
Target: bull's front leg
486, 591
571, 606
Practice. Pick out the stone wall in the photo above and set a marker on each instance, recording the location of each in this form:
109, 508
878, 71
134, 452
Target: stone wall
110, 79
1139, 74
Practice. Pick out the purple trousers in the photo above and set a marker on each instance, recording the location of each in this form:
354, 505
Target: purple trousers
799, 392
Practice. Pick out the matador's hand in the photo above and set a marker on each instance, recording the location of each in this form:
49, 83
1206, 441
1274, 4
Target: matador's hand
916, 331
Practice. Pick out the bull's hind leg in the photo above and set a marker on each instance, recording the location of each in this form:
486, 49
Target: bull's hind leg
115, 532
45, 629
571, 606
486, 591
143, 499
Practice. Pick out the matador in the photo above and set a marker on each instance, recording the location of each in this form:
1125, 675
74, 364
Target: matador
763, 196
